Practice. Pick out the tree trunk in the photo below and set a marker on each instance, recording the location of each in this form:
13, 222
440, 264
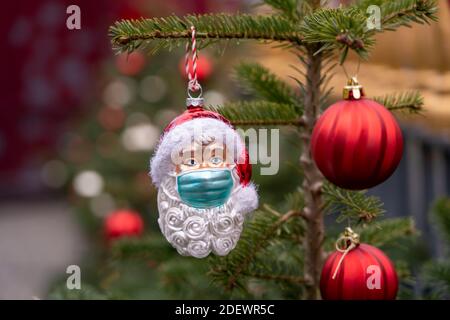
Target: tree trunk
313, 179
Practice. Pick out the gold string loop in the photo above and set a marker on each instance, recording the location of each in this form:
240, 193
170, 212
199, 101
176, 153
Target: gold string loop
344, 244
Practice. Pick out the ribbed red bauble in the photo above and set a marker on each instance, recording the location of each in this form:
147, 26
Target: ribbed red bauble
204, 67
361, 272
356, 143
123, 223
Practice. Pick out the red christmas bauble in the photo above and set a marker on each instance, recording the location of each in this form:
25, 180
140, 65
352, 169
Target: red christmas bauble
365, 273
123, 223
357, 143
204, 67
130, 64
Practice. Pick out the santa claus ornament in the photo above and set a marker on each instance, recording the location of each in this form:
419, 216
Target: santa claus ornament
356, 143
357, 271
202, 171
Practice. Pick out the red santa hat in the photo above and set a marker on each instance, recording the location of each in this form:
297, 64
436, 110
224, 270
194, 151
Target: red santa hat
181, 132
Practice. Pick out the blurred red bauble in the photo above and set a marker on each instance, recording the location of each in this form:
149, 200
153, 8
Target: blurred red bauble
128, 10
357, 143
130, 64
365, 273
111, 119
204, 67
123, 223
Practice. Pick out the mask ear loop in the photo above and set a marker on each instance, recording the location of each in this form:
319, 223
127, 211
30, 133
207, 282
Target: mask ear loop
236, 179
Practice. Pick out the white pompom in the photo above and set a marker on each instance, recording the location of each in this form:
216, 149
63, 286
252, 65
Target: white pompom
246, 199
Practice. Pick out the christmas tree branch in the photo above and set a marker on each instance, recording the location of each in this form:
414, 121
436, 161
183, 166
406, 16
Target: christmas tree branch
396, 13
386, 231
185, 279
257, 235
259, 113
266, 85
355, 206
141, 249
127, 35
437, 273
437, 276
411, 101
340, 29
288, 8
404, 12
276, 277
346, 28
441, 214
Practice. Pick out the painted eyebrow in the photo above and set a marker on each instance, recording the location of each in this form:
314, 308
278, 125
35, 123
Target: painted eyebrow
188, 151
215, 150
216, 153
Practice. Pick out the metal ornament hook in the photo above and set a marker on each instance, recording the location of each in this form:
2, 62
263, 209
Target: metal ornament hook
195, 101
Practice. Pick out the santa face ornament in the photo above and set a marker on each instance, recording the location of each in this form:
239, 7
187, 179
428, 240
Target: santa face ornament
202, 172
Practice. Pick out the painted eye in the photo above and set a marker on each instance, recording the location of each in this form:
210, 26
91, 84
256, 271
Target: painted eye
216, 160
191, 162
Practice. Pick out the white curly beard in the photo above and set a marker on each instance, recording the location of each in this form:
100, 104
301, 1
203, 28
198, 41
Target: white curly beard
198, 232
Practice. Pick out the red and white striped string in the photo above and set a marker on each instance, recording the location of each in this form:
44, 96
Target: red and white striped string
193, 84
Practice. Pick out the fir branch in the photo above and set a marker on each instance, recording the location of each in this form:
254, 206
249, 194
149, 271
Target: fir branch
411, 101
184, 278
295, 200
266, 85
346, 28
259, 113
281, 261
288, 8
441, 214
437, 276
169, 32
351, 205
386, 231
87, 292
142, 249
276, 277
340, 29
229, 270
397, 13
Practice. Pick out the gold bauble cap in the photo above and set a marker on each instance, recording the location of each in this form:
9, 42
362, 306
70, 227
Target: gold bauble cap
353, 90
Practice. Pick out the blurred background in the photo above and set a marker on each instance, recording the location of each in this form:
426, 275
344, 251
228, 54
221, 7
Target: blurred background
79, 124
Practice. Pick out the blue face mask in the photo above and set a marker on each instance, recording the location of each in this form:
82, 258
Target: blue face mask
205, 188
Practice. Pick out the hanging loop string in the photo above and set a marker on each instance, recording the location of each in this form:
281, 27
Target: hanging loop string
191, 49
355, 75
353, 90
346, 243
